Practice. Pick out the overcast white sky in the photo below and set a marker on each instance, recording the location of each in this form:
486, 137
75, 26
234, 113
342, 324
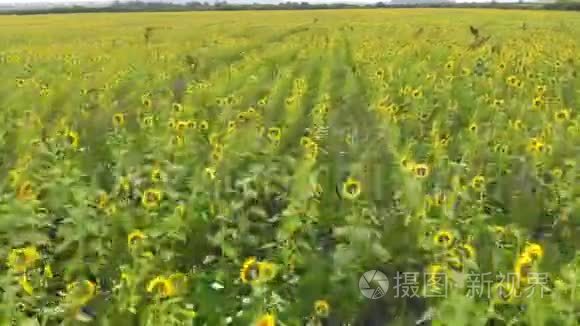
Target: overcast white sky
273, 1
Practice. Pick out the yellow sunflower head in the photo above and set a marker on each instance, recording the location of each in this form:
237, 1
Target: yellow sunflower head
443, 238
322, 308
147, 121
421, 170
468, 251
351, 188
266, 271
151, 198
274, 134
134, 238
523, 267
562, 115
26, 191
478, 183
203, 125
72, 138
118, 119
21, 259
162, 287
534, 251
81, 292
177, 107
266, 320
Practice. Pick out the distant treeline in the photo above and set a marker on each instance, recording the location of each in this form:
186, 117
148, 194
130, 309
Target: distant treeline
224, 6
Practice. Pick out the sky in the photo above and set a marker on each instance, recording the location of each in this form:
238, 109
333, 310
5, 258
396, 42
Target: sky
50, 1
273, 1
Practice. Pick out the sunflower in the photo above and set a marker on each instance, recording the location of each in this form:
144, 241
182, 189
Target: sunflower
557, 173
161, 286
406, 163
274, 134
177, 140
118, 119
111, 209
517, 124
203, 125
191, 124
473, 127
72, 138
421, 170
444, 139
536, 145
522, 268
156, 175
250, 270
21, 259
538, 102
454, 260
242, 117
512, 80
210, 172
322, 308
443, 238
181, 125
146, 102
171, 123
251, 111
541, 90
25, 191
351, 188
417, 93
151, 198
468, 251
218, 152
135, 237
102, 200
562, 115
81, 292
266, 320
478, 183
147, 121
177, 107
231, 126
534, 251
306, 141
266, 271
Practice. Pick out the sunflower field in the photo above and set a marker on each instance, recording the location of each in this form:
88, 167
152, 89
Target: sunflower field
247, 168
